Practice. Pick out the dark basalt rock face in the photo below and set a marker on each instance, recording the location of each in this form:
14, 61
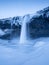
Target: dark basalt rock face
39, 24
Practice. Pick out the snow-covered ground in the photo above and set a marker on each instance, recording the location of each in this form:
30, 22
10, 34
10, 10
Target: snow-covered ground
36, 53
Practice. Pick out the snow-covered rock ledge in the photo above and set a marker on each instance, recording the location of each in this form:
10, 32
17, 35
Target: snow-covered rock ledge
37, 26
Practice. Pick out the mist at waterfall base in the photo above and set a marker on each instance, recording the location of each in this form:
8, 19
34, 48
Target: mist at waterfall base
36, 53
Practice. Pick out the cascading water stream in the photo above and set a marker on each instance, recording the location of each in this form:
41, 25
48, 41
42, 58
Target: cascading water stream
23, 36
23, 32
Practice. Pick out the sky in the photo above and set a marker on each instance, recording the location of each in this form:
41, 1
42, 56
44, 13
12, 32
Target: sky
11, 8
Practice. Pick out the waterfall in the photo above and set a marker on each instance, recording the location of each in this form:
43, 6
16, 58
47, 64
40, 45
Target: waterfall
23, 36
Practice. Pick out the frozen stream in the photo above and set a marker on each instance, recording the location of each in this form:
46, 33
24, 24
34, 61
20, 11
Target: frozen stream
34, 53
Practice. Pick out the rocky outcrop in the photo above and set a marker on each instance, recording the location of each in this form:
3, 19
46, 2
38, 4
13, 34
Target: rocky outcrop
10, 27
39, 24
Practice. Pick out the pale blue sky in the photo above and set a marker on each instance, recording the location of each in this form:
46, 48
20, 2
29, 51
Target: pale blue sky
10, 8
